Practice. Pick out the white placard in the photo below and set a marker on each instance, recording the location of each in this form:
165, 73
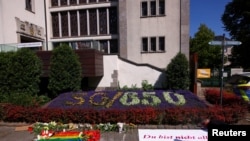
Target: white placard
172, 135
30, 44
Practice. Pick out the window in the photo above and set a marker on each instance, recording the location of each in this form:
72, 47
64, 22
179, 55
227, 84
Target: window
83, 22
144, 44
55, 24
73, 23
82, 1
103, 21
104, 46
65, 25
93, 21
161, 7
73, 2
28, 5
114, 46
54, 3
162, 43
153, 44
92, 1
113, 20
64, 2
152, 8
144, 8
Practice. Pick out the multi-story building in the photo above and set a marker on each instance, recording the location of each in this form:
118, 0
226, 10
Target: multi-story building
142, 31
138, 38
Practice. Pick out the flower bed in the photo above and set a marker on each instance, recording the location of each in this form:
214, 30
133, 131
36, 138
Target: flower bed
138, 107
100, 100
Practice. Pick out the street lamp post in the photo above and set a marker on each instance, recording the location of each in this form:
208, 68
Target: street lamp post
222, 69
223, 44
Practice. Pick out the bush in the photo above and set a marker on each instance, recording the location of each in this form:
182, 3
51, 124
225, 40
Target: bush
25, 72
228, 98
65, 71
146, 86
20, 73
177, 73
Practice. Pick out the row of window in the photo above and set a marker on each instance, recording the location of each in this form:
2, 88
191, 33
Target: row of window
149, 44
153, 44
152, 8
76, 2
106, 46
102, 21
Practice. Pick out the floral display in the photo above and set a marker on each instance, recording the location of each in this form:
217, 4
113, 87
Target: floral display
54, 131
42, 128
126, 99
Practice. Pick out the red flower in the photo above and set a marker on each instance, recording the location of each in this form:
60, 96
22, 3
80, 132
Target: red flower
30, 129
93, 135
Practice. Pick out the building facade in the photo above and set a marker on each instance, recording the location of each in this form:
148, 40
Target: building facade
142, 31
138, 38
21, 21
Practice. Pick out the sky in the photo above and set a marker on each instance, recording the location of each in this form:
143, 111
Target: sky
207, 12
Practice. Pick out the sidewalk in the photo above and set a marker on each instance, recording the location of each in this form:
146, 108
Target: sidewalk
8, 132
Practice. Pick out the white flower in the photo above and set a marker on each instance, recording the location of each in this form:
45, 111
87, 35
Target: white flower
120, 125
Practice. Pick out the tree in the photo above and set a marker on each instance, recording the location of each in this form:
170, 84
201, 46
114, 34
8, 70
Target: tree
208, 55
65, 71
5, 63
236, 19
177, 73
25, 72
19, 76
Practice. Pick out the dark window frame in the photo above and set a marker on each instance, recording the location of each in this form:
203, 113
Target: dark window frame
161, 7
161, 42
144, 8
153, 44
28, 5
144, 44
153, 8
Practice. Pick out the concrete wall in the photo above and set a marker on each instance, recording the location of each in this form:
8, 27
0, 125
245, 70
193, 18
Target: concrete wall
118, 72
174, 26
11, 9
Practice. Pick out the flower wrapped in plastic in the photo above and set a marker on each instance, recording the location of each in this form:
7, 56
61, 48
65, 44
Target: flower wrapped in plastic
92, 135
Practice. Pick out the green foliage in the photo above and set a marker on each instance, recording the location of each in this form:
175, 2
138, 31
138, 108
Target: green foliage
126, 88
5, 84
41, 100
236, 20
65, 71
208, 55
146, 86
19, 74
26, 69
177, 73
22, 99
